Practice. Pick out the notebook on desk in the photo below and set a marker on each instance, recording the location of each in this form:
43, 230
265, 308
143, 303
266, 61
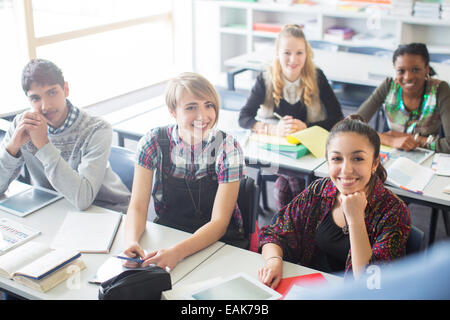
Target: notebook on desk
88, 232
408, 175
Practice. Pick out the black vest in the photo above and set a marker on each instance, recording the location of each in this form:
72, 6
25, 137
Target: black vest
187, 205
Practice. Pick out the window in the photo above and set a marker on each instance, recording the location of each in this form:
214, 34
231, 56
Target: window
105, 48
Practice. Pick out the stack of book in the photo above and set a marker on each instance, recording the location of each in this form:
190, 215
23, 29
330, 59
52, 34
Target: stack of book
35, 265
339, 33
401, 7
310, 140
292, 151
445, 9
427, 9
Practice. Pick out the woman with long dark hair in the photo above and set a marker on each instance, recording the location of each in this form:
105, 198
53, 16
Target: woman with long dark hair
343, 222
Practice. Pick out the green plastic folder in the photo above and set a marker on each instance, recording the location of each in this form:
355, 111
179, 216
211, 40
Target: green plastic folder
294, 151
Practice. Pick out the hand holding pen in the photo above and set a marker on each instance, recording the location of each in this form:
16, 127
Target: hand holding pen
137, 260
289, 124
133, 255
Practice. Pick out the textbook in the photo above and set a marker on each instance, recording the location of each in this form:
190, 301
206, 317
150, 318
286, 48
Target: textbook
293, 151
418, 155
88, 232
13, 234
314, 138
37, 266
408, 175
307, 281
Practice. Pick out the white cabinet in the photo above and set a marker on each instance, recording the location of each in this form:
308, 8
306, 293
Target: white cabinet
225, 28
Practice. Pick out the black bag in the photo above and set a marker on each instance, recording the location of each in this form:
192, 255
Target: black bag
136, 284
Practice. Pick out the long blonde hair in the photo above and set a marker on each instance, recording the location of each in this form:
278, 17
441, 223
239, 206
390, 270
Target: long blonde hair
308, 82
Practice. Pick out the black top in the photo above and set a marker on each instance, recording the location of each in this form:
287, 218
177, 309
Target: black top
334, 246
333, 112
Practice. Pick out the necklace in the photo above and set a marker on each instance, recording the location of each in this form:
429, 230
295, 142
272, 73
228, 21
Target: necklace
345, 228
198, 211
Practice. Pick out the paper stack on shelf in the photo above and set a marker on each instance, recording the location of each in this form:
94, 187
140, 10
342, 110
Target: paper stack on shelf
427, 9
338, 33
311, 29
445, 9
401, 7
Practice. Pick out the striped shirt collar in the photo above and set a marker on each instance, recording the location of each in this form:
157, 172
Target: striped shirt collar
72, 116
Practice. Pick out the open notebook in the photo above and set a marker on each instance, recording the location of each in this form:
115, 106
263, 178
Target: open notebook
408, 175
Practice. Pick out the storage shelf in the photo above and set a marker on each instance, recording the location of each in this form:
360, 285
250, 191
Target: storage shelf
237, 41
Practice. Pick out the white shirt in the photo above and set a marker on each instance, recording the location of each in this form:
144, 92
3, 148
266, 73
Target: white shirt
290, 91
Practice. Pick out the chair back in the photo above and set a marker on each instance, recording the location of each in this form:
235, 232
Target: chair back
415, 240
122, 163
231, 100
248, 203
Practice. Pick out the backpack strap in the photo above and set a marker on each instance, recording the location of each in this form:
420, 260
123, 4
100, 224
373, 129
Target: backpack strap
163, 142
218, 138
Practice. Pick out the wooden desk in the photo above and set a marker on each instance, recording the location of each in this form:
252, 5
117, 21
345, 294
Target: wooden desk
49, 219
230, 260
347, 67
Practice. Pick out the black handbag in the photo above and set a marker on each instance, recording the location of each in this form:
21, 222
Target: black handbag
145, 283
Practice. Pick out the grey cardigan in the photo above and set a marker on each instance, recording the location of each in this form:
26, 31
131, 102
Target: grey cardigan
74, 163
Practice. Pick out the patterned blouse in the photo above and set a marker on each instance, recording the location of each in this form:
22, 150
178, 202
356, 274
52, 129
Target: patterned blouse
428, 119
294, 227
424, 119
191, 162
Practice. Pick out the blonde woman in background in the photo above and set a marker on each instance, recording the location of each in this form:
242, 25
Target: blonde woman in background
295, 89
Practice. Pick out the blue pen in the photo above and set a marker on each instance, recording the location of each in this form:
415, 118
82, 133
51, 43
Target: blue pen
137, 260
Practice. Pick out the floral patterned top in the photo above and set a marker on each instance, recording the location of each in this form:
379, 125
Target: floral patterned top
431, 118
424, 119
294, 227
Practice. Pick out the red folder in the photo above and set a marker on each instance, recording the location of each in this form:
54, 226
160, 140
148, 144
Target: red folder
268, 27
309, 280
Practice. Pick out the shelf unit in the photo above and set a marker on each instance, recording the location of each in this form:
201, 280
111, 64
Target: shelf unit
233, 21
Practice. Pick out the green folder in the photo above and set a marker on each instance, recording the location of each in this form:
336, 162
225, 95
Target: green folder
293, 151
